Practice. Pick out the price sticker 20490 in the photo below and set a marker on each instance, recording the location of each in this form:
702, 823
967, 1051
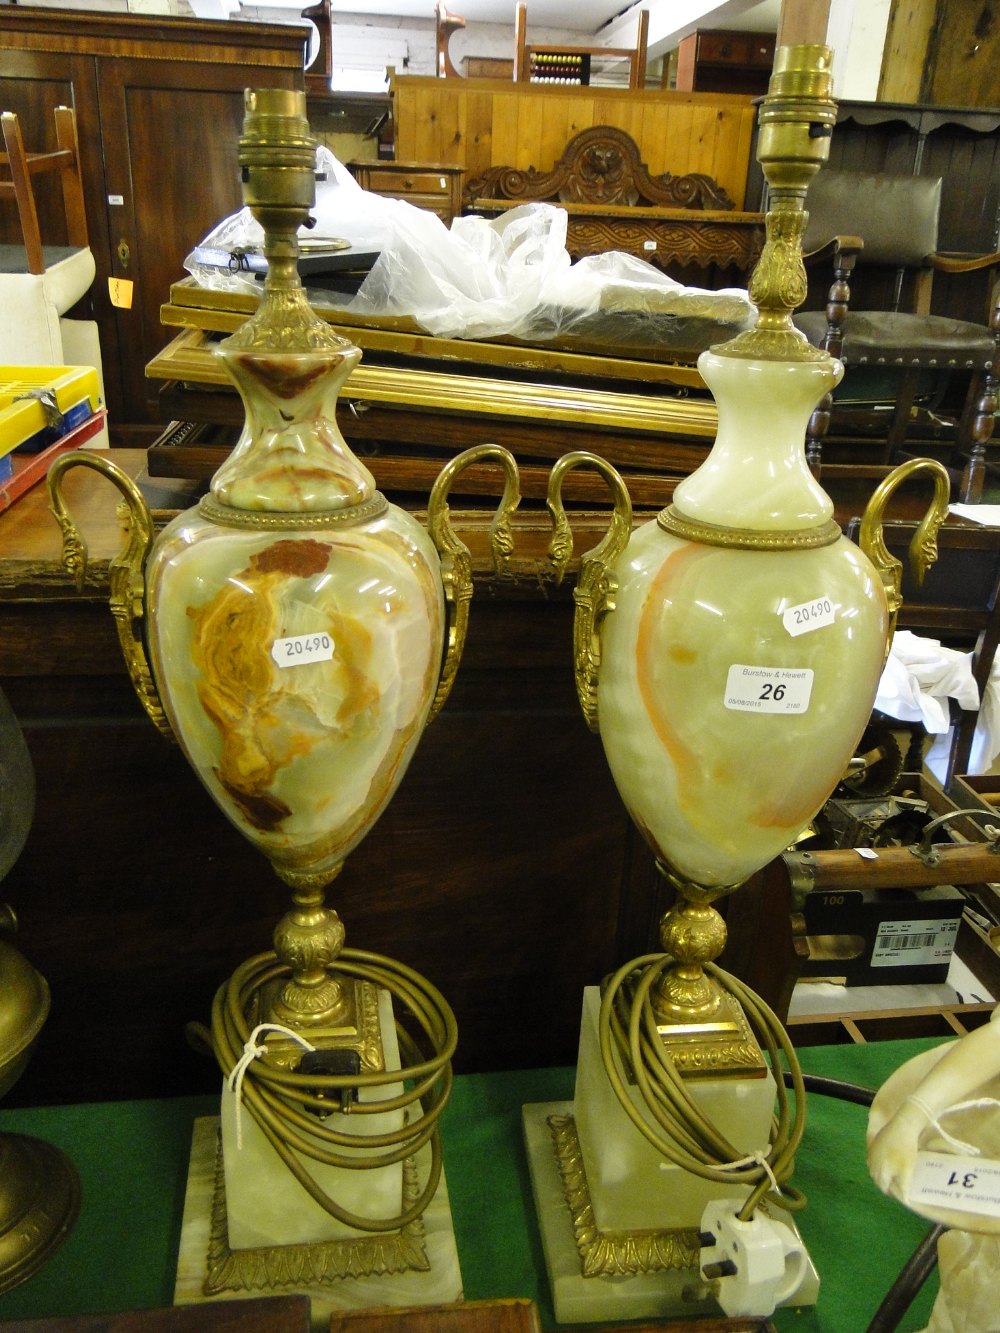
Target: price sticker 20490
301, 648
807, 616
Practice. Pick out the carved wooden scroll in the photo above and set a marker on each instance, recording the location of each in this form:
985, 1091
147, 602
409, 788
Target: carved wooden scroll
600, 165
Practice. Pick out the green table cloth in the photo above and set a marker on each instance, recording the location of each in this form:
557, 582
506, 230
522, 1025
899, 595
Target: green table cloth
132, 1159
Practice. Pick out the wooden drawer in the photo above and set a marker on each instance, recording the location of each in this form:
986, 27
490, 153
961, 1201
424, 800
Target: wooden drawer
383, 180
425, 185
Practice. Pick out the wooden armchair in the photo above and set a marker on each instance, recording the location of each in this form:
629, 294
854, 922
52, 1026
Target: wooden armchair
894, 357
20, 168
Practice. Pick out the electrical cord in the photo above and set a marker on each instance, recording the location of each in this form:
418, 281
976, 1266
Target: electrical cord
835, 1087
923, 1260
675, 1125
912, 1277
287, 1105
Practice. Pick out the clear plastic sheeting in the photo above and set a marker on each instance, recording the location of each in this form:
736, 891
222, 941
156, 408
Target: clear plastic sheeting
477, 279
485, 278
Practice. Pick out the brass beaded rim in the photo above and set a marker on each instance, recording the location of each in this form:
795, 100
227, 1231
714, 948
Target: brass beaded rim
276, 518
748, 539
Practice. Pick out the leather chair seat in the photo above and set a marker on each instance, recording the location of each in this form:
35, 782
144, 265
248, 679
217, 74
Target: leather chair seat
890, 338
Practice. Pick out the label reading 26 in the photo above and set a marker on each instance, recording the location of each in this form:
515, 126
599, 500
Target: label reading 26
755, 689
807, 616
302, 648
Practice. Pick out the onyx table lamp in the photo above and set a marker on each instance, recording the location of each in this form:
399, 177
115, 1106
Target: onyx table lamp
295, 633
728, 652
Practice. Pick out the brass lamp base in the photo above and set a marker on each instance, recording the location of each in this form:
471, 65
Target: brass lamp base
702, 1026
39, 1202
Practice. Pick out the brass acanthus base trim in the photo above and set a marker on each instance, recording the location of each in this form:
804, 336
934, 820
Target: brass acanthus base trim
612, 1253
723, 1045
316, 1264
747, 539
274, 518
358, 1029
770, 344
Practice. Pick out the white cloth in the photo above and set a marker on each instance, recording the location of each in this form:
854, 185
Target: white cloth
920, 678
987, 515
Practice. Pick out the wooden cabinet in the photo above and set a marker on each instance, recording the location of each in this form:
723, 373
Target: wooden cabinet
159, 106
437, 188
720, 61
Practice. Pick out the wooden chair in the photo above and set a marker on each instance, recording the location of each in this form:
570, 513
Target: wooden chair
22, 167
444, 25
893, 355
320, 72
529, 58
40, 281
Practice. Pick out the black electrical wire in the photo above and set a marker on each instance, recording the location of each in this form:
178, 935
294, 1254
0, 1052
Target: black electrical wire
912, 1277
923, 1260
834, 1087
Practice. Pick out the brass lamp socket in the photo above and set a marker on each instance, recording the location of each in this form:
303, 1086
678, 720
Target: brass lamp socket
277, 155
797, 117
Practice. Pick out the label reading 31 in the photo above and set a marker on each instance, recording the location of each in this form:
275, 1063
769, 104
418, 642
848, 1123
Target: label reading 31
755, 689
302, 648
965, 1184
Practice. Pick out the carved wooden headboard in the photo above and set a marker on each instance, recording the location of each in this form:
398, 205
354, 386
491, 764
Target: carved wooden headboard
600, 165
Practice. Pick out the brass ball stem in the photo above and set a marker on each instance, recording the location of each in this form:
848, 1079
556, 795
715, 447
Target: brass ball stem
693, 934
307, 941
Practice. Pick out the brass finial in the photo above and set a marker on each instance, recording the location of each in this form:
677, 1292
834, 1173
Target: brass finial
277, 156
795, 124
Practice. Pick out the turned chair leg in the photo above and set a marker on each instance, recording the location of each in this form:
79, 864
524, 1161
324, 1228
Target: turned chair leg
902, 413
819, 424
979, 417
837, 304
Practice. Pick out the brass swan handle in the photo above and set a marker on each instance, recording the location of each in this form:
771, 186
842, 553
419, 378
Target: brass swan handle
923, 548
126, 572
455, 557
596, 586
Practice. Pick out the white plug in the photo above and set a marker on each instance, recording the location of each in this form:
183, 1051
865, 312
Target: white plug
753, 1266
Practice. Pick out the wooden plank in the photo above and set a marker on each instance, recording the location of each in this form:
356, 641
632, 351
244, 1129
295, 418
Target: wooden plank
451, 126
906, 49
575, 113
894, 867
478, 133
532, 116
962, 55
503, 120
528, 126
268, 1314
802, 21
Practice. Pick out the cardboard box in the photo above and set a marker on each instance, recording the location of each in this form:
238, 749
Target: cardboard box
882, 937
